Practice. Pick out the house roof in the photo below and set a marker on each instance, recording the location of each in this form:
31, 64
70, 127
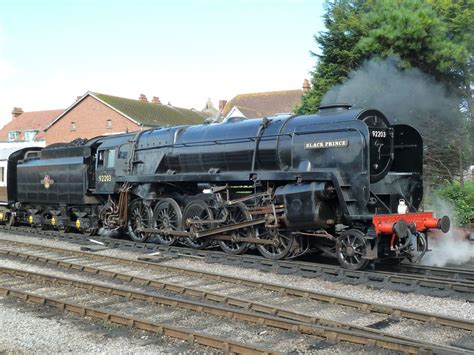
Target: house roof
27, 121
144, 113
264, 104
150, 114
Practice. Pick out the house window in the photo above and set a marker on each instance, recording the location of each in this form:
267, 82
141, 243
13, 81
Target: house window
12, 135
2, 174
108, 124
30, 135
72, 127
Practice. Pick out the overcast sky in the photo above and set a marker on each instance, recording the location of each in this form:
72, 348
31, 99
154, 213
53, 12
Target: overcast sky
182, 51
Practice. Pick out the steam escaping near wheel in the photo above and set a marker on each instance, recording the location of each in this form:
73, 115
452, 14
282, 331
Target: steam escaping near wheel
104, 232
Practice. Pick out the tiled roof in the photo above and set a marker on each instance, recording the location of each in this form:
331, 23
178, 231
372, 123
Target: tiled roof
150, 114
264, 104
35, 121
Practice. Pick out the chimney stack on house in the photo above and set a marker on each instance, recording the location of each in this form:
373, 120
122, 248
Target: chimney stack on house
156, 100
142, 98
306, 86
17, 111
222, 104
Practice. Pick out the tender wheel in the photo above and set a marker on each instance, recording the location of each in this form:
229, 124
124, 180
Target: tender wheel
350, 248
281, 246
139, 217
11, 221
64, 229
91, 231
197, 211
44, 226
237, 214
167, 215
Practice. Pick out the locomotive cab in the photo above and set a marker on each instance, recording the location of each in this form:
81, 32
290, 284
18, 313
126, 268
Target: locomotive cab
112, 158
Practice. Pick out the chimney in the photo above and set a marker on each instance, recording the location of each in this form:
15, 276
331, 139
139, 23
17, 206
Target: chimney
222, 104
142, 98
17, 111
156, 100
306, 86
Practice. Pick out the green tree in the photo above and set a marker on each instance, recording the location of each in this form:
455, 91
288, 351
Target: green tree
339, 55
461, 198
437, 38
457, 15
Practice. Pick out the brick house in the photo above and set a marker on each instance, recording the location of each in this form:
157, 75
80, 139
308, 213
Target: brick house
95, 114
263, 104
25, 126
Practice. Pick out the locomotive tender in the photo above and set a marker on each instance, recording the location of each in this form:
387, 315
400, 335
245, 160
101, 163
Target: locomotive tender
287, 185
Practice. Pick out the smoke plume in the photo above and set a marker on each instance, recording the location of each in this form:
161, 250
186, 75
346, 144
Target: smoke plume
405, 96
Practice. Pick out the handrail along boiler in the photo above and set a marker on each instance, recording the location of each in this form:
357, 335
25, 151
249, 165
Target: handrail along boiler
330, 182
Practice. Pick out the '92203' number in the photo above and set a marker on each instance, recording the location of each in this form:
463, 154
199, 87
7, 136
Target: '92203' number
105, 178
379, 134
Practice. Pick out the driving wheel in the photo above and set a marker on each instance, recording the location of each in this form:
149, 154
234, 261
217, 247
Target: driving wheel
237, 214
281, 245
138, 218
167, 216
194, 213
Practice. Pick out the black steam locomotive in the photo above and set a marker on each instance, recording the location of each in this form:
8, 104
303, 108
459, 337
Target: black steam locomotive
344, 182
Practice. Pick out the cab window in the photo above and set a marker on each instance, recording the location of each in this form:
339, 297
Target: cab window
123, 151
106, 158
100, 158
111, 158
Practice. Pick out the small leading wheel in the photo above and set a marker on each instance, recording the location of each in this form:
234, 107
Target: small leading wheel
138, 218
281, 246
237, 214
351, 248
197, 211
167, 215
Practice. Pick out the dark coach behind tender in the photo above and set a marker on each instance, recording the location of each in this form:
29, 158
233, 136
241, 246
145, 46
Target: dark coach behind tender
341, 181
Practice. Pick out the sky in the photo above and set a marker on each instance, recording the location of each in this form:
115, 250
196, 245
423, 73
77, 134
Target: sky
182, 51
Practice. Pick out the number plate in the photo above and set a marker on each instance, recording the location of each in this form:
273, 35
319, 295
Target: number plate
379, 134
105, 178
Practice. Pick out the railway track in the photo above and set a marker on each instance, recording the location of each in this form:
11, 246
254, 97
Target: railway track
439, 272
12, 283
433, 281
264, 313
75, 296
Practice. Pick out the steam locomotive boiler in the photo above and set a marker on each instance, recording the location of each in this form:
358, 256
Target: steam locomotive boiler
287, 185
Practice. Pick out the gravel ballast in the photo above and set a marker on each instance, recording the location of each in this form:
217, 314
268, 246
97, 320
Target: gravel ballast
443, 306
30, 329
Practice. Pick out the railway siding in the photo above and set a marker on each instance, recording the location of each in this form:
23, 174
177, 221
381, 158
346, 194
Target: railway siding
75, 261
146, 301
445, 286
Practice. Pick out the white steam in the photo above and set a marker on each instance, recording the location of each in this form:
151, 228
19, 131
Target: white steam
450, 248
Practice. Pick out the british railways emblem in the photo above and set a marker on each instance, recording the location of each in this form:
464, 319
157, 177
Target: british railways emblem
47, 181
